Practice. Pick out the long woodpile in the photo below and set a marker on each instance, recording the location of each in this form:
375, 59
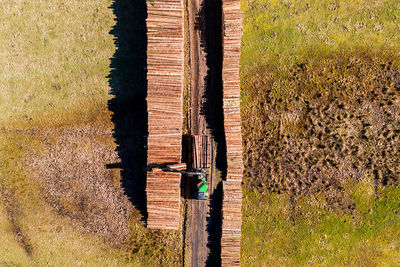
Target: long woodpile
232, 201
164, 103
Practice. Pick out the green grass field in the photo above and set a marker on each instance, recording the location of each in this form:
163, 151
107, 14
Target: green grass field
307, 70
308, 232
278, 34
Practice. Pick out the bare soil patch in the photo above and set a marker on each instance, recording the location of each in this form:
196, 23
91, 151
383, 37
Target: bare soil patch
77, 184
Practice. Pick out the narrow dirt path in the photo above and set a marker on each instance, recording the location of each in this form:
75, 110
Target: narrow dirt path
198, 72
198, 68
8, 200
204, 44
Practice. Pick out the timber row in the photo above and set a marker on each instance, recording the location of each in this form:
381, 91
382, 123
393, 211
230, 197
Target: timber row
232, 186
164, 100
164, 103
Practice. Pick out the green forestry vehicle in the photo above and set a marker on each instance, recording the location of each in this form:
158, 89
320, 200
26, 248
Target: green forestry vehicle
201, 184
201, 181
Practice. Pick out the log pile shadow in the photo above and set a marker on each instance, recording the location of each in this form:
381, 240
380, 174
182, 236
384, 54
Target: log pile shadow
128, 83
209, 22
214, 227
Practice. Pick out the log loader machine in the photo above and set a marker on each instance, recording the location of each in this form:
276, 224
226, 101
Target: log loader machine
201, 192
200, 170
201, 176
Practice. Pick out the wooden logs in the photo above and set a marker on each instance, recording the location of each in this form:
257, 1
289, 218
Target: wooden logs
164, 103
203, 152
231, 223
232, 190
174, 167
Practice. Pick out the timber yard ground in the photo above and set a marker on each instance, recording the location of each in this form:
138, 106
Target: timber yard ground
204, 113
320, 107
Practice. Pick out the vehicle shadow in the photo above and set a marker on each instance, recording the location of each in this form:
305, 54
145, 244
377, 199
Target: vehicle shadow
128, 83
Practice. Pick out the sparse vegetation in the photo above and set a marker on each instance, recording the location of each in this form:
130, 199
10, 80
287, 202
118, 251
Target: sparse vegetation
321, 90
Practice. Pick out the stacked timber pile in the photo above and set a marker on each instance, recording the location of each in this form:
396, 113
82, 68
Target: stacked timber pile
232, 222
232, 202
203, 152
231, 87
164, 103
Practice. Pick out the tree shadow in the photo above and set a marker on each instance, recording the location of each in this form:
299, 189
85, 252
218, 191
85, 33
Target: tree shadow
128, 83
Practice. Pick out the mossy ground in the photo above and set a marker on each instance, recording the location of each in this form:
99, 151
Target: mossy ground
321, 102
59, 204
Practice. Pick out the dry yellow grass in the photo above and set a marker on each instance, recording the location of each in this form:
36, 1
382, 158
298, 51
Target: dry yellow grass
54, 62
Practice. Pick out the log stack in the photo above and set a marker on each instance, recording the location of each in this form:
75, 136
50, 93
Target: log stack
232, 190
203, 152
164, 103
231, 223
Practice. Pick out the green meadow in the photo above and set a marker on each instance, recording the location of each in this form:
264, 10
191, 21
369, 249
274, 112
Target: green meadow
312, 198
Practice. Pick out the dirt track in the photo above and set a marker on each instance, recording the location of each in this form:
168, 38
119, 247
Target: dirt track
199, 216
198, 68
198, 71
